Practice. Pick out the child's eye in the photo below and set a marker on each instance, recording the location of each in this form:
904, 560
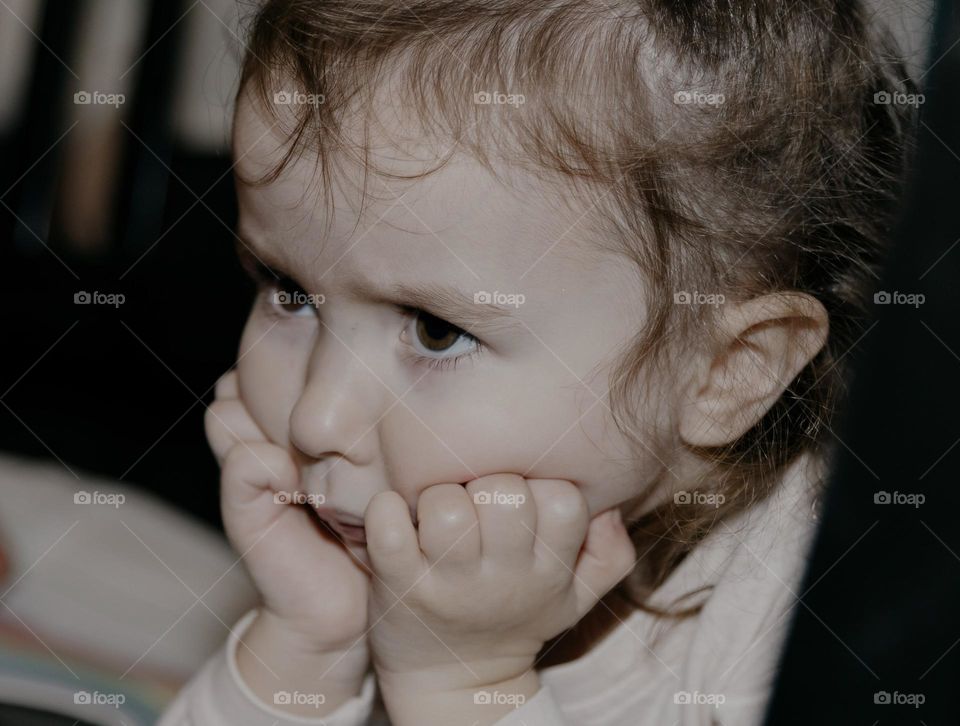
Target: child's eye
281, 294
286, 297
437, 343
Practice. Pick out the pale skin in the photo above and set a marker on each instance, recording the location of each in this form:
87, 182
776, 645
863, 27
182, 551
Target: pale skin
337, 399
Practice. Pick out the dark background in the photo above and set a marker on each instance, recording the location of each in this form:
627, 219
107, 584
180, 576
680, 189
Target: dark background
878, 615
118, 391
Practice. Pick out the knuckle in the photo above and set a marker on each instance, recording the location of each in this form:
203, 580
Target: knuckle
440, 498
227, 384
235, 459
213, 417
565, 504
377, 507
503, 490
449, 508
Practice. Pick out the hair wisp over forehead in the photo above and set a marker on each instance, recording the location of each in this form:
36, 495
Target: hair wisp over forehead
733, 146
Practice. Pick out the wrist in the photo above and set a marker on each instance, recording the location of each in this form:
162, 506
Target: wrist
413, 699
286, 672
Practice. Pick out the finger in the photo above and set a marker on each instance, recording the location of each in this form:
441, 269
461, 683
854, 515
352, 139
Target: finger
448, 528
507, 514
608, 556
391, 538
252, 475
226, 422
227, 386
562, 520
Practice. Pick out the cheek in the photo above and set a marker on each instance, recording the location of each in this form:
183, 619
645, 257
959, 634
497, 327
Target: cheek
546, 433
269, 368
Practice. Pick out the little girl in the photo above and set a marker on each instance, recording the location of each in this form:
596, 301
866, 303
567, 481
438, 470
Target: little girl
530, 416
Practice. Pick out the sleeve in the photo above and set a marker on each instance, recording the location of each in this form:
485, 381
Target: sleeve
541, 710
217, 696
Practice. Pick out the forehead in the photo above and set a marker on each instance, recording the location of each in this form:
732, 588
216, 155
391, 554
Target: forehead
460, 221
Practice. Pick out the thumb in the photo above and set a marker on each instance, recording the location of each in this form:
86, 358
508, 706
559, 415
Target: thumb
607, 556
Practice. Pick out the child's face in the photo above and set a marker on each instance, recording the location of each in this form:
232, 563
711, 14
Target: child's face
340, 384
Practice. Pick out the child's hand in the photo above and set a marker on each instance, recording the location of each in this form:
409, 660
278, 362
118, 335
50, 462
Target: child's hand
305, 576
495, 570
314, 592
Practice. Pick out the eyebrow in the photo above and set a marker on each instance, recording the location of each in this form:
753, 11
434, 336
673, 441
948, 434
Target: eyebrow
442, 301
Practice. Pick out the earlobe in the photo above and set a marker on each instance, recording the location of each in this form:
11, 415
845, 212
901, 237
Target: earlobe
761, 345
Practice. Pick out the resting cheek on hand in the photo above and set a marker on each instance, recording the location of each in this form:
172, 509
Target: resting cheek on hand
496, 568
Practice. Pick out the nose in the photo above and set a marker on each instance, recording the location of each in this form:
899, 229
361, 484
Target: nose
340, 404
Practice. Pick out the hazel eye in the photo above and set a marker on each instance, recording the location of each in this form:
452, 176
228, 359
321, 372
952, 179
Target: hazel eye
433, 337
436, 335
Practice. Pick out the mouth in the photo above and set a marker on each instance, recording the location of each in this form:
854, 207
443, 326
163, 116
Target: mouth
348, 527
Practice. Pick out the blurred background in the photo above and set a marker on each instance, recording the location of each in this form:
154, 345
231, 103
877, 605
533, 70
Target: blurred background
123, 305
129, 194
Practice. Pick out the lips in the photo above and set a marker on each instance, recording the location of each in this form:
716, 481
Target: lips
358, 535
346, 525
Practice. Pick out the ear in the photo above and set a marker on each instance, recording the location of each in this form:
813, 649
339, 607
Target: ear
759, 347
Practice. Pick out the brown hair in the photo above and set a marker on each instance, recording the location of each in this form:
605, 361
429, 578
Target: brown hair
732, 146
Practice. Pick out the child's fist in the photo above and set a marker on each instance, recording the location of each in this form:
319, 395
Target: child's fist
493, 570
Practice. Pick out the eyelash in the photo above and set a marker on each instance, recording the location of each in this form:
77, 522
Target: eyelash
264, 278
440, 364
